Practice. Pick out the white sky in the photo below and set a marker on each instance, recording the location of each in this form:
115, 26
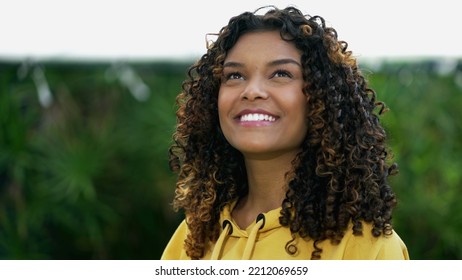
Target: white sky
174, 29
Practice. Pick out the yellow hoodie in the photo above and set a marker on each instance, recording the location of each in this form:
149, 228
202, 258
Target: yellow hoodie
265, 239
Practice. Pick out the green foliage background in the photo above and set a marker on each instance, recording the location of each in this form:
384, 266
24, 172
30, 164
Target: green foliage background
86, 175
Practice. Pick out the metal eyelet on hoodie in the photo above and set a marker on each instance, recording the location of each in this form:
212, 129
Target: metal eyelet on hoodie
227, 222
261, 217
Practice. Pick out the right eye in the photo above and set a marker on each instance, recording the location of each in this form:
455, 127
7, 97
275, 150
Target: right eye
233, 76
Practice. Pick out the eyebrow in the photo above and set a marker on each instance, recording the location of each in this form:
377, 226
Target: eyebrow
276, 62
284, 61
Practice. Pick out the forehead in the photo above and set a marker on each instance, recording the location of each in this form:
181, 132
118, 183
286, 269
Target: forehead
262, 44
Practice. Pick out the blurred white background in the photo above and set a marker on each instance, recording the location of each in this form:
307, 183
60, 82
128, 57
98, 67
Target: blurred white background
174, 29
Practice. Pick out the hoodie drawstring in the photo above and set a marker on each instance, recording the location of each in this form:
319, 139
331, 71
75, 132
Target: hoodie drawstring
250, 245
227, 230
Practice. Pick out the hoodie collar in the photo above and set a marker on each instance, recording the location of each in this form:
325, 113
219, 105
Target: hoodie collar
262, 224
271, 220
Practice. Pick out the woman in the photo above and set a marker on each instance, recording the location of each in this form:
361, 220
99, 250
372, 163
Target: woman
279, 149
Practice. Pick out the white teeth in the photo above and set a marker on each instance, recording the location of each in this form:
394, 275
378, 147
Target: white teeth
257, 117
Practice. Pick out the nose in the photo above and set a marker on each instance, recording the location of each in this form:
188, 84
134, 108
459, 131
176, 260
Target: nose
254, 90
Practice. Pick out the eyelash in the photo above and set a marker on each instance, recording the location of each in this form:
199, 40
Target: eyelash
277, 72
282, 71
228, 76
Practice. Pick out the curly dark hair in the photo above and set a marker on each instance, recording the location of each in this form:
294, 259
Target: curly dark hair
340, 175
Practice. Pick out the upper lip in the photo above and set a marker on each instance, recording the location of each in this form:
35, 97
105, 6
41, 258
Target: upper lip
254, 111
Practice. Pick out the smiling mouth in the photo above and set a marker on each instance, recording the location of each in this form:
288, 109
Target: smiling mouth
257, 118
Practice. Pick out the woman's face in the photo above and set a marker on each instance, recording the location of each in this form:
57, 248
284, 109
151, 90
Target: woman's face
261, 105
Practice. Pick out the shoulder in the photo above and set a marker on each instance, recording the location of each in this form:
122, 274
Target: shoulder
367, 246
175, 247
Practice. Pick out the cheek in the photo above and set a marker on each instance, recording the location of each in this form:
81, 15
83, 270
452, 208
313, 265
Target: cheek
223, 107
302, 112
299, 104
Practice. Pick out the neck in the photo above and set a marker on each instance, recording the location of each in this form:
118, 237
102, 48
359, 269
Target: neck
267, 186
266, 183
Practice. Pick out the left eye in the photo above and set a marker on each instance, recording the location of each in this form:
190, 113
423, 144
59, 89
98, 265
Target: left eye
282, 74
